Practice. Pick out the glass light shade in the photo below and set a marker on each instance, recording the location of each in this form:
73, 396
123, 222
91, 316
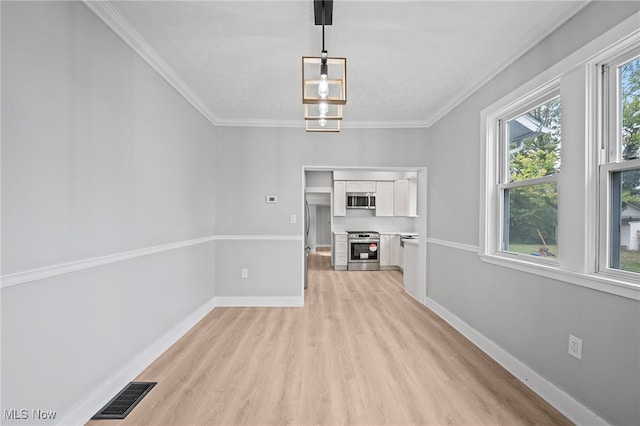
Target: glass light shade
323, 125
336, 81
317, 111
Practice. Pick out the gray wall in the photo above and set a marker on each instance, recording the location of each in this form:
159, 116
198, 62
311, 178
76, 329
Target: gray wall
529, 316
100, 156
254, 162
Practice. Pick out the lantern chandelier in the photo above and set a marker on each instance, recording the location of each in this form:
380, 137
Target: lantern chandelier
324, 81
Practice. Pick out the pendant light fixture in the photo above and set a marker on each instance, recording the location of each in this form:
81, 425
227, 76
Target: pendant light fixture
324, 81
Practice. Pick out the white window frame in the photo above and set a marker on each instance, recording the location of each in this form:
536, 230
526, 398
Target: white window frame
610, 158
578, 263
545, 94
496, 163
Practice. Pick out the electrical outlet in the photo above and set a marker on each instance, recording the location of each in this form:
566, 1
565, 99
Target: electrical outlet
293, 219
245, 273
575, 346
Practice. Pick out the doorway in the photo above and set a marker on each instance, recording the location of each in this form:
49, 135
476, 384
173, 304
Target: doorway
317, 191
323, 226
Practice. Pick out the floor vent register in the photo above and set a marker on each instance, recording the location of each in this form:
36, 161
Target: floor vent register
122, 404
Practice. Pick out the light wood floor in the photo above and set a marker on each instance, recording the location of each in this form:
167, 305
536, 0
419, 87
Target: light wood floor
360, 352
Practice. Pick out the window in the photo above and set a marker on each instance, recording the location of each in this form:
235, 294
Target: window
530, 164
560, 169
620, 165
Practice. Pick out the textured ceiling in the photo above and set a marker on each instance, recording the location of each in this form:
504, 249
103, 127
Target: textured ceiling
408, 62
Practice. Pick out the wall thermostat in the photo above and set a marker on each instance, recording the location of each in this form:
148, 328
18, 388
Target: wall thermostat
272, 199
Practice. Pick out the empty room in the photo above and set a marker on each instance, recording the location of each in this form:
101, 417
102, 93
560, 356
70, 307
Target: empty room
349, 212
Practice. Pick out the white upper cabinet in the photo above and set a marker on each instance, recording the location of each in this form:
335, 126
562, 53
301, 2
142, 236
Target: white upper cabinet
361, 186
401, 198
393, 198
413, 197
405, 197
384, 198
339, 198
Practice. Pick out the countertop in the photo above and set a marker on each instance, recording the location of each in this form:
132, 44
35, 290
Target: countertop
383, 233
397, 233
412, 242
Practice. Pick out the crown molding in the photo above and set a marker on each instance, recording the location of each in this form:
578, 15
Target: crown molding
105, 11
114, 20
411, 124
533, 38
260, 123
344, 125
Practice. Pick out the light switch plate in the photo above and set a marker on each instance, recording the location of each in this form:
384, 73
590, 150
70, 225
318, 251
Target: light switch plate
293, 218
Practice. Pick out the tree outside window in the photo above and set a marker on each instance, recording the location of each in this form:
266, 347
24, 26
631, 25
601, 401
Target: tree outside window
530, 204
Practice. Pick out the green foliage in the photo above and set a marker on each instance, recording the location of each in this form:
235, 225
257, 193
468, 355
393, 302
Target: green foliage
629, 198
535, 208
531, 165
630, 260
540, 156
630, 93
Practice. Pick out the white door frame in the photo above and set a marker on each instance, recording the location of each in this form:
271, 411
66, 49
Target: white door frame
422, 214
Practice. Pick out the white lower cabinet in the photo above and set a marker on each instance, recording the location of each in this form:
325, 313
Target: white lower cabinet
395, 253
410, 268
390, 254
385, 258
340, 251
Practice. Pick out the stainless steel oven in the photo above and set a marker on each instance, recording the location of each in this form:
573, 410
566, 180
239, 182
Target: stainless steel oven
364, 253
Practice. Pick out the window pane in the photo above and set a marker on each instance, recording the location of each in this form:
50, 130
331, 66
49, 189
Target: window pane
630, 107
530, 220
625, 220
534, 142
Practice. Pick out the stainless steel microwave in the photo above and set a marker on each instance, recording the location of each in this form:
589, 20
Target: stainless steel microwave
358, 200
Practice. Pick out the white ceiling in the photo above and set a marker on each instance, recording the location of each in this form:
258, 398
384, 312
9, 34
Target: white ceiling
408, 62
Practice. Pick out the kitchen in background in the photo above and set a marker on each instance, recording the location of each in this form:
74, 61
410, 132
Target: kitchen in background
373, 215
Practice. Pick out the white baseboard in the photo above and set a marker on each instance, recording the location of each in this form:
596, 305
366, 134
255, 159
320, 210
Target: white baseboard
563, 402
82, 412
265, 301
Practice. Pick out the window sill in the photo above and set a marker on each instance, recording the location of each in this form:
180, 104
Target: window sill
553, 270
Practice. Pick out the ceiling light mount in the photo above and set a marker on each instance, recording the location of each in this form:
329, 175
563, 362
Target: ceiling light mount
323, 12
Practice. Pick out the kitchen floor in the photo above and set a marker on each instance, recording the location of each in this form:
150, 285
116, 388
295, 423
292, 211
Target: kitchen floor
359, 352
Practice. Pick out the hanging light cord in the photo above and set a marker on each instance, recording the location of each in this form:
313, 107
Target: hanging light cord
323, 25
323, 66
